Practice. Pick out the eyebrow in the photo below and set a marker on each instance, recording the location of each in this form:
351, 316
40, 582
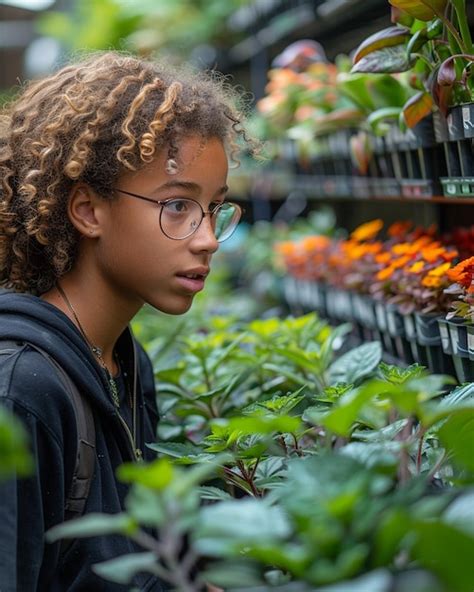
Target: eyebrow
189, 186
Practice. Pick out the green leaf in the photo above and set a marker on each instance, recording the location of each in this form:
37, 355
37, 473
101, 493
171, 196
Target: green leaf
176, 449
460, 513
92, 525
457, 436
231, 525
356, 364
448, 552
379, 580
208, 492
156, 475
390, 60
381, 39
398, 375
232, 574
423, 10
122, 569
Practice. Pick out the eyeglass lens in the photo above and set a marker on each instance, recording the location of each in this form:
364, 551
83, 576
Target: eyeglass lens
181, 217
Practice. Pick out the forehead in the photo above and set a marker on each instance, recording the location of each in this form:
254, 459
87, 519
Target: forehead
199, 161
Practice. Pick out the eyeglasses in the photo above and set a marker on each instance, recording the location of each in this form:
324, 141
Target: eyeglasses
181, 217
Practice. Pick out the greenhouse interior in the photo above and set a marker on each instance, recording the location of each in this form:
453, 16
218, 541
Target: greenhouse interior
312, 412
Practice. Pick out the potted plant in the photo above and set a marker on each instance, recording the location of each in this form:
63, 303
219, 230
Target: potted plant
460, 320
432, 41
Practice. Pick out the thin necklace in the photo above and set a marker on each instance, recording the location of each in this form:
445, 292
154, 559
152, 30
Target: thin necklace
97, 351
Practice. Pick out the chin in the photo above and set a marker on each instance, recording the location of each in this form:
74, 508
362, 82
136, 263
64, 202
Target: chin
176, 308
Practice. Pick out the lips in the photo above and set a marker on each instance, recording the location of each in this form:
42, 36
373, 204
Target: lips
192, 280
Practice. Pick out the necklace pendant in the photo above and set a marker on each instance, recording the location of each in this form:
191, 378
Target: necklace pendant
114, 392
97, 351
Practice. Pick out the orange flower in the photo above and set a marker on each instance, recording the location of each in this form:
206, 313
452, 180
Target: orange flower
399, 229
401, 262
367, 231
431, 281
384, 257
385, 274
416, 267
315, 243
440, 270
463, 272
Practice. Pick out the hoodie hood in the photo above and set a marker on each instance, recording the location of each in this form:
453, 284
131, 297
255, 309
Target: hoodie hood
27, 318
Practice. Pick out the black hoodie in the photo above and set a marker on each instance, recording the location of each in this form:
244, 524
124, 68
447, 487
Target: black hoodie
32, 389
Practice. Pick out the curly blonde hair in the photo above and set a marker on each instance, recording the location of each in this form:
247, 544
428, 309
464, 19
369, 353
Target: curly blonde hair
90, 122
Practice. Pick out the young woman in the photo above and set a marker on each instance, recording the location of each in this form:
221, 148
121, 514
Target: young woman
113, 180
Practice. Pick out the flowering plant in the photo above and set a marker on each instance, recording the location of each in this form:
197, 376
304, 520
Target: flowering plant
462, 276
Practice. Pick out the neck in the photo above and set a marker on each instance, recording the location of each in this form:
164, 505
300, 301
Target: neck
99, 315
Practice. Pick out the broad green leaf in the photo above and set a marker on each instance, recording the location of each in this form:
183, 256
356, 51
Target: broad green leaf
92, 525
232, 574
382, 115
232, 525
356, 364
146, 506
447, 551
423, 10
355, 87
385, 38
383, 455
457, 435
265, 425
156, 475
176, 449
399, 375
122, 569
209, 492
460, 513
379, 580
390, 60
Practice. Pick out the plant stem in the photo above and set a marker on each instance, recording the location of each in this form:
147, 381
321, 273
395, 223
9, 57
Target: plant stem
449, 25
460, 8
420, 451
248, 478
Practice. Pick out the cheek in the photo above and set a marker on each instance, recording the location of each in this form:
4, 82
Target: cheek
133, 249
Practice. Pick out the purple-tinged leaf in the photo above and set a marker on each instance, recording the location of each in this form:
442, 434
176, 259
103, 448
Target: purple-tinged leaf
447, 73
416, 108
386, 38
389, 60
423, 10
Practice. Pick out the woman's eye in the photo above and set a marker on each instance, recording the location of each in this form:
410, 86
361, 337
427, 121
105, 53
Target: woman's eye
177, 206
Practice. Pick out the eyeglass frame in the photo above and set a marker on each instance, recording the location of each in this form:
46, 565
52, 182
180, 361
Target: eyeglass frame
203, 213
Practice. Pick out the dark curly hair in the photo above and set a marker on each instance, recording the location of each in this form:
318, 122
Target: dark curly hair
90, 122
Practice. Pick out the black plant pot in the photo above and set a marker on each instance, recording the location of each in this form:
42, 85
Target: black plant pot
429, 337
467, 112
396, 330
417, 350
381, 318
463, 365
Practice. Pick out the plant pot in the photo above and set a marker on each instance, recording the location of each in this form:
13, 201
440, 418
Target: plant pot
444, 334
463, 365
381, 319
418, 351
429, 336
396, 330
458, 186
467, 112
470, 341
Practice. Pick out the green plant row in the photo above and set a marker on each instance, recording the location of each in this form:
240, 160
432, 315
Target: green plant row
284, 467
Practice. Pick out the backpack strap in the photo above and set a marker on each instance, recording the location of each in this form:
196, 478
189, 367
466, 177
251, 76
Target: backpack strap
85, 457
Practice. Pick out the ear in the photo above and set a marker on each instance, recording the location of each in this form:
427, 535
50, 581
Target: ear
83, 210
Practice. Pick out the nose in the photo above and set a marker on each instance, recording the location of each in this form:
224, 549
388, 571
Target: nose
204, 238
